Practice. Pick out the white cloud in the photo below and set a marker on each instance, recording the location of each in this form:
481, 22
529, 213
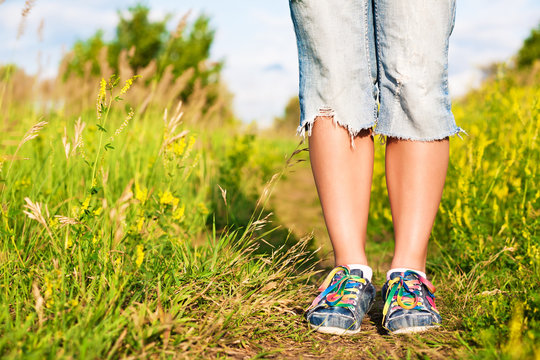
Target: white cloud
487, 31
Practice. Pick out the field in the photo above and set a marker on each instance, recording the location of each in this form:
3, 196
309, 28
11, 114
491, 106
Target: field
135, 226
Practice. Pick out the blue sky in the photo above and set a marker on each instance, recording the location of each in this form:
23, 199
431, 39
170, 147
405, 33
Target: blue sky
256, 40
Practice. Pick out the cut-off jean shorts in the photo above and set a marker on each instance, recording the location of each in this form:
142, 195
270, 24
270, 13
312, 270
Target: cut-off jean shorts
379, 64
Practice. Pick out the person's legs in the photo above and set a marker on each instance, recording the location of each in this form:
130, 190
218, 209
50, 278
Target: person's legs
343, 178
338, 109
342, 174
415, 174
412, 48
338, 71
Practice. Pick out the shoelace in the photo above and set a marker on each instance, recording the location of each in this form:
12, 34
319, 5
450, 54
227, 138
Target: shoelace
405, 293
343, 292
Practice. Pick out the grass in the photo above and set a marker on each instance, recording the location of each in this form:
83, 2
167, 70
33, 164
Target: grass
138, 233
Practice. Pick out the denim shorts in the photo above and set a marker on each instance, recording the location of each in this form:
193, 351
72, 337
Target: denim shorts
379, 64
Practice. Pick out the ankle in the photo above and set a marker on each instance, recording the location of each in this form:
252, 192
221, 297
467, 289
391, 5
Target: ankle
367, 272
402, 270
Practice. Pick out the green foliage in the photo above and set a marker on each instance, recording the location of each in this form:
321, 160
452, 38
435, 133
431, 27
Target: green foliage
86, 54
530, 51
188, 49
7, 71
488, 228
145, 40
291, 118
136, 31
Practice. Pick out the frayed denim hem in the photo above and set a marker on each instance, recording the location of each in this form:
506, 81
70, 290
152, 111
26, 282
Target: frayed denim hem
383, 135
327, 111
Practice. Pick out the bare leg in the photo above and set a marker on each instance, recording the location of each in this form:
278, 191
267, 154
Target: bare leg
343, 179
415, 175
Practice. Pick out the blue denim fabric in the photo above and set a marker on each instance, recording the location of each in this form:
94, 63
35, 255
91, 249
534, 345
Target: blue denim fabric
357, 54
400, 320
340, 320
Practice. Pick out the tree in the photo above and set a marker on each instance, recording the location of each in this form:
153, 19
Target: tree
137, 32
86, 52
530, 51
291, 118
146, 40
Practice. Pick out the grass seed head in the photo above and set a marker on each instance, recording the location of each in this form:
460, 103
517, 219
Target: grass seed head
28, 5
34, 211
33, 132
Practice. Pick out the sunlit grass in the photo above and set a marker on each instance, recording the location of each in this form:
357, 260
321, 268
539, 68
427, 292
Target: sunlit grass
131, 231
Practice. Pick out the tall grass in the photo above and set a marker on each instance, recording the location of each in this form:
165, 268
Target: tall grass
487, 234
108, 245
133, 226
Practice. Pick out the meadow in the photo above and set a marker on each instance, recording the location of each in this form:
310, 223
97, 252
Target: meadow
137, 226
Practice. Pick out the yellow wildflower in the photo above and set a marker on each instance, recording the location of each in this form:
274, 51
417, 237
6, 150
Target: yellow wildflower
140, 255
53, 223
191, 142
48, 288
102, 89
178, 214
85, 205
140, 223
202, 208
179, 147
167, 198
141, 193
128, 84
101, 97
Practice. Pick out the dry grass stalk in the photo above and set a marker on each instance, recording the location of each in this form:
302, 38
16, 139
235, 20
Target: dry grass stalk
30, 134
39, 302
171, 126
175, 120
181, 25
28, 5
79, 127
64, 220
67, 146
174, 138
34, 212
223, 194
33, 132
40, 29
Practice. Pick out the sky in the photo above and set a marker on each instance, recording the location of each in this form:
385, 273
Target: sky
256, 40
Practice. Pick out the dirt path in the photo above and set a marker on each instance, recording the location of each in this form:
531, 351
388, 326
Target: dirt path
296, 205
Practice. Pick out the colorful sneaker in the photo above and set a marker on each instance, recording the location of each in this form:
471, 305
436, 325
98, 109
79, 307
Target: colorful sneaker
409, 304
344, 300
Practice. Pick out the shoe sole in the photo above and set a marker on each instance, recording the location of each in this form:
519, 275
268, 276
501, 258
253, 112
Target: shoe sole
414, 329
334, 330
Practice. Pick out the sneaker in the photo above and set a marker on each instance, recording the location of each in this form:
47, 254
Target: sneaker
344, 300
409, 304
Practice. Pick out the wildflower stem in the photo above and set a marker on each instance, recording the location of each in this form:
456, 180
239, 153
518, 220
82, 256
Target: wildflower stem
94, 168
